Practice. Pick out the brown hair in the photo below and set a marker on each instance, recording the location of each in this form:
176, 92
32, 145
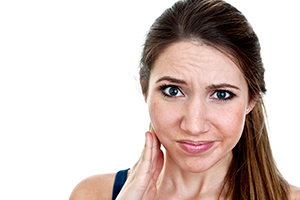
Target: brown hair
253, 173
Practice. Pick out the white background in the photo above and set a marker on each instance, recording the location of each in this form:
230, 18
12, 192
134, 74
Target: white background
70, 106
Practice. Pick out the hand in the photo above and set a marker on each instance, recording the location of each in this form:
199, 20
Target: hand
141, 183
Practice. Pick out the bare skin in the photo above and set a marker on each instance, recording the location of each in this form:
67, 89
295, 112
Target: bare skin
99, 187
197, 99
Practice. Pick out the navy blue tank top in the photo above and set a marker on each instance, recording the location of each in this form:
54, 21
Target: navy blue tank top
120, 180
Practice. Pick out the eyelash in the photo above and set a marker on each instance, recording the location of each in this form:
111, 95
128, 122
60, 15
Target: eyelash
231, 95
164, 87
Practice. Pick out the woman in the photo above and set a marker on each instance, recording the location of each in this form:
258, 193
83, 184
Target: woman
203, 79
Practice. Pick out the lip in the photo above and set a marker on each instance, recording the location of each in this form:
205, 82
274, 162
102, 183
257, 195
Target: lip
195, 147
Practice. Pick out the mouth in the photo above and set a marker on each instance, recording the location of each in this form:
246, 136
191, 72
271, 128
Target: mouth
195, 147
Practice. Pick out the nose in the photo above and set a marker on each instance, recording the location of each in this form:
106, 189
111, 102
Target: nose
195, 118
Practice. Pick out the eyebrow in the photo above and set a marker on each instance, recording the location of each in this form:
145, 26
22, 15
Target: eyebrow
172, 80
222, 85
211, 87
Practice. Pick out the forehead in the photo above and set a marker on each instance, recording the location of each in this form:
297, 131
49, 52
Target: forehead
193, 61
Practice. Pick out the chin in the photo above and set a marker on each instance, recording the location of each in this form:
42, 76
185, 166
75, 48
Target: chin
189, 164
196, 168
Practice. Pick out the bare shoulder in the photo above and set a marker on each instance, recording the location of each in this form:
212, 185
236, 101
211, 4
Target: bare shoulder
295, 193
94, 188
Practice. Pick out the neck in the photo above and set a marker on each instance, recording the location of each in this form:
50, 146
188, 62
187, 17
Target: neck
188, 185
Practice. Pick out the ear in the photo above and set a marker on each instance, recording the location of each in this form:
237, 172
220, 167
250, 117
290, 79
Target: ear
251, 105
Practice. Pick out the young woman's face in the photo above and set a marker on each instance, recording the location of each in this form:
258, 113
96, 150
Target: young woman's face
197, 103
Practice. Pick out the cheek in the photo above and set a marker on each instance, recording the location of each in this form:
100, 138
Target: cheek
231, 125
163, 117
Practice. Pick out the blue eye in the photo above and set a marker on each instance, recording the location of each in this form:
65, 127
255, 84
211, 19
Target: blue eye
222, 95
170, 91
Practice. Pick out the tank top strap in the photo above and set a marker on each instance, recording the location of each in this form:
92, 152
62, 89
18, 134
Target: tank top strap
120, 180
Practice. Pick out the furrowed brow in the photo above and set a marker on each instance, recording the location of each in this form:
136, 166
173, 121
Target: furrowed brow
222, 85
172, 80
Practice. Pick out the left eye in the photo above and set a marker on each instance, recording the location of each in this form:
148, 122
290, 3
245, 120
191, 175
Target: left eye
222, 95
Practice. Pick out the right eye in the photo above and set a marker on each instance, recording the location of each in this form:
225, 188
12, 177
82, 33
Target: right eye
171, 91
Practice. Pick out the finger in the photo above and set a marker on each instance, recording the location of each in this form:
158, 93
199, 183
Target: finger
158, 156
155, 146
156, 142
144, 162
156, 153
141, 172
159, 165
147, 152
